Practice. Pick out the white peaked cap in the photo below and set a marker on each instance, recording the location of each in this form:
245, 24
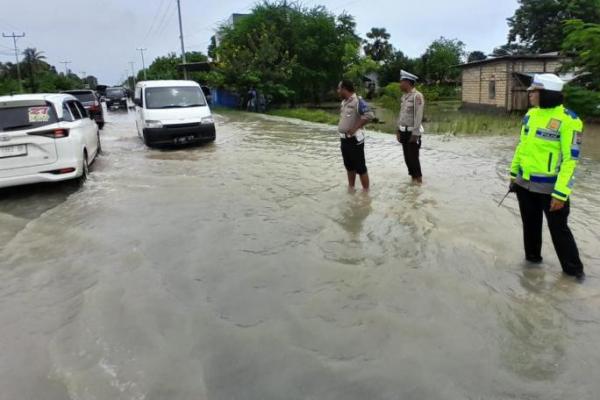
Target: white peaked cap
547, 82
407, 75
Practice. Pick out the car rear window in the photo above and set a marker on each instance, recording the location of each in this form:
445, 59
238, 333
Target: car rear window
26, 116
115, 92
84, 97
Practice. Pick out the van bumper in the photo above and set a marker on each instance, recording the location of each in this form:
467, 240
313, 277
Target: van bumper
180, 134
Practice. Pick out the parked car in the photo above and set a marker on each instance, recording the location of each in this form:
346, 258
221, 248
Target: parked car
45, 138
172, 112
116, 97
91, 102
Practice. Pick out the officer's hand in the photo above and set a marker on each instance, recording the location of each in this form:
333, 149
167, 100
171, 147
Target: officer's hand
556, 205
350, 133
414, 139
398, 137
512, 187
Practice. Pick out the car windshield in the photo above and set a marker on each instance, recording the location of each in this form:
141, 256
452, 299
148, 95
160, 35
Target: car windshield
27, 116
174, 97
115, 92
84, 97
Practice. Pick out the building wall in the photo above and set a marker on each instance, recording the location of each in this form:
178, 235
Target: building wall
476, 81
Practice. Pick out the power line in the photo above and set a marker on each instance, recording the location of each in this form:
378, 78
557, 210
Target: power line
142, 50
165, 21
155, 19
14, 38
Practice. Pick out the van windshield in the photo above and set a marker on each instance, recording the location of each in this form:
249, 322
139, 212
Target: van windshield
174, 97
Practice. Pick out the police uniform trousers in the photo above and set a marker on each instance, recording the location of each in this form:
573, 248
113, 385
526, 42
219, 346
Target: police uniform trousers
533, 206
411, 154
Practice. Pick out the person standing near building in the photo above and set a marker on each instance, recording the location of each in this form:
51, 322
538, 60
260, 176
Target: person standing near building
410, 129
543, 169
354, 115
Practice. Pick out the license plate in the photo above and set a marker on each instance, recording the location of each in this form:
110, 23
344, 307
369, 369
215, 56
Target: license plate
13, 151
183, 139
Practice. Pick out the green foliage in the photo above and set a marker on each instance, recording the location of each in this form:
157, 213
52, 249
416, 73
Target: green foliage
391, 94
510, 49
583, 43
390, 70
378, 46
359, 69
476, 56
287, 51
441, 58
305, 114
537, 24
583, 101
166, 67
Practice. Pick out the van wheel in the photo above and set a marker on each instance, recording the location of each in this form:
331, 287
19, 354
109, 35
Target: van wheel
99, 151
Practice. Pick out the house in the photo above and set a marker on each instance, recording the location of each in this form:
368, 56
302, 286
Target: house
500, 84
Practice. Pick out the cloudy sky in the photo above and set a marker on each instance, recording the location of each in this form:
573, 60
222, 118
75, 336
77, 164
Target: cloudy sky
100, 37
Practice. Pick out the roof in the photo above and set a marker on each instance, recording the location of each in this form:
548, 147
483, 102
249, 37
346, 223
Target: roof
544, 56
172, 83
51, 97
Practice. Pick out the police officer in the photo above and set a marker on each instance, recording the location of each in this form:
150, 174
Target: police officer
542, 172
354, 115
409, 124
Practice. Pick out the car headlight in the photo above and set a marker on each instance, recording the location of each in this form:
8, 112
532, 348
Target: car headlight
153, 124
208, 120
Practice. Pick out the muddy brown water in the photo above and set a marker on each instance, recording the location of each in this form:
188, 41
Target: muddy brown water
245, 270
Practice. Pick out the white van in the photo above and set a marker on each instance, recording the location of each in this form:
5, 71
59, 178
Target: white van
172, 112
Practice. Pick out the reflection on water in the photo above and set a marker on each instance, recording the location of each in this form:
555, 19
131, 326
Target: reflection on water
244, 270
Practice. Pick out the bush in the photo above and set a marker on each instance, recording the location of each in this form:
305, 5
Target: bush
583, 101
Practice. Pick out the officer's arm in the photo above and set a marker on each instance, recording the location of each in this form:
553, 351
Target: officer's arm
366, 116
516, 161
570, 141
419, 110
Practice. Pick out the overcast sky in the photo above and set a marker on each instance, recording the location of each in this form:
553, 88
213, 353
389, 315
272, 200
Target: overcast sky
100, 37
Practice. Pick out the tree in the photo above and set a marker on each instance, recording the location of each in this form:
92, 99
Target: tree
390, 71
212, 48
582, 42
538, 24
512, 49
476, 56
33, 59
441, 58
378, 46
166, 67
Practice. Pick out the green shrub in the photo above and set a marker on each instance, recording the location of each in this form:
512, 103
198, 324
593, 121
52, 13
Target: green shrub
583, 101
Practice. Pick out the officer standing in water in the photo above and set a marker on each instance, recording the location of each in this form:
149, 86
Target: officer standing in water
542, 172
354, 115
409, 124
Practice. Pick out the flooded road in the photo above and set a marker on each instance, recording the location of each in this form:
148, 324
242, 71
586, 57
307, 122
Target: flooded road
245, 270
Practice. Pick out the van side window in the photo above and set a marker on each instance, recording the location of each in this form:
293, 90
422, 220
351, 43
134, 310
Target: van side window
138, 95
67, 113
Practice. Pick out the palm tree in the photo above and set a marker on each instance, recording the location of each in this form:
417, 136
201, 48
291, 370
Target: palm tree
33, 59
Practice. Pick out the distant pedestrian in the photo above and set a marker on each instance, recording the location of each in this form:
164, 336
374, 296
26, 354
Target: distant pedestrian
542, 172
410, 128
354, 115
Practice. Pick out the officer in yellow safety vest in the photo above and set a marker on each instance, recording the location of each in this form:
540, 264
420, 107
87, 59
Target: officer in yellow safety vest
542, 172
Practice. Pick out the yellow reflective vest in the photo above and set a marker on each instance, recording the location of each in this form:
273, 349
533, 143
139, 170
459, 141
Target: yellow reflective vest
549, 149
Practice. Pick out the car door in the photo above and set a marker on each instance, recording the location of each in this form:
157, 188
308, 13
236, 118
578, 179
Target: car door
78, 129
138, 101
91, 130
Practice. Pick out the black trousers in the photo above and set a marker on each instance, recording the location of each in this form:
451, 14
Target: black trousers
411, 154
533, 206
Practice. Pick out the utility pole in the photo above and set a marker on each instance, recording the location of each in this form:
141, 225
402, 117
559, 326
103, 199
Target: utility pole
132, 74
66, 67
142, 50
14, 38
181, 38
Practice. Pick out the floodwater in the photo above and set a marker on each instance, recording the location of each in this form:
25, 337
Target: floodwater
245, 270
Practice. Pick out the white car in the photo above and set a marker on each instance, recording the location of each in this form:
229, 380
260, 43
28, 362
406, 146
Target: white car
172, 112
45, 138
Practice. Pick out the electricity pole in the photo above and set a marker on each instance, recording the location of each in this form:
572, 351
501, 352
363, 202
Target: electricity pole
132, 74
181, 38
142, 50
14, 38
66, 67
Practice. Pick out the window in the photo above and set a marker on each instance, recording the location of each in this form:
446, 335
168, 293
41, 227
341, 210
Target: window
74, 110
492, 90
138, 96
82, 110
35, 114
67, 113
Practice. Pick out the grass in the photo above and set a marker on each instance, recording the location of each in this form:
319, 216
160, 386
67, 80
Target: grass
441, 117
305, 114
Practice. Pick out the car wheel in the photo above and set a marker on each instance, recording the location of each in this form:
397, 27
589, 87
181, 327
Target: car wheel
99, 145
101, 125
85, 168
